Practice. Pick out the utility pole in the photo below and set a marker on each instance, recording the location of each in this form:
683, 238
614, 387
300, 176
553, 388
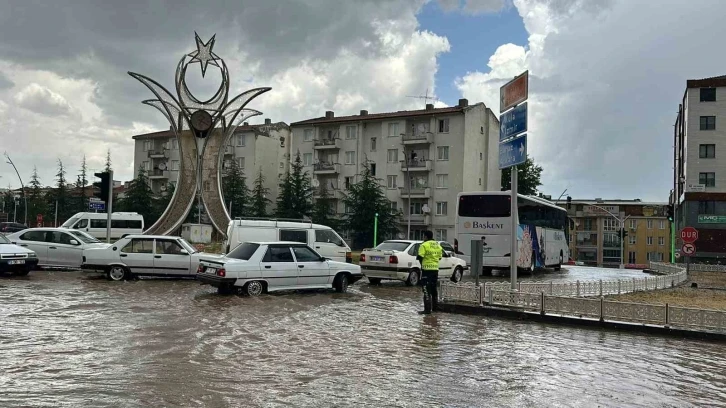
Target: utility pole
621, 235
515, 226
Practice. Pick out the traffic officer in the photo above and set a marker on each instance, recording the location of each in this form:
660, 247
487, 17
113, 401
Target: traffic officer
429, 255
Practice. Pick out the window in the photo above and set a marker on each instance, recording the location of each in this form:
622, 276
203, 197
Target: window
138, 246
707, 179
146, 165
444, 125
98, 223
661, 224
416, 208
707, 151
328, 236
655, 256
445, 245
241, 162
442, 180
168, 247
649, 241
348, 209
278, 254
392, 155
37, 236
174, 144
307, 159
348, 181
650, 224
124, 224
442, 208
443, 152
479, 180
633, 224
58, 237
631, 257
661, 241
708, 122
147, 145
350, 132
440, 235
707, 207
282, 165
175, 165
587, 224
394, 207
243, 251
480, 156
307, 135
393, 129
392, 181
418, 181
240, 140
294, 235
610, 224
373, 169
708, 94
349, 157
373, 144
632, 239
81, 224
305, 254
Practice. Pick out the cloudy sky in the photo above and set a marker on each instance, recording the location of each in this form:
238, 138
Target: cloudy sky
606, 75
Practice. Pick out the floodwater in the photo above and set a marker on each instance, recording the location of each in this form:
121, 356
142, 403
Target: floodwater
567, 273
67, 340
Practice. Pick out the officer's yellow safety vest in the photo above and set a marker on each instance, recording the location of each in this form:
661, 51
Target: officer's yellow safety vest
430, 251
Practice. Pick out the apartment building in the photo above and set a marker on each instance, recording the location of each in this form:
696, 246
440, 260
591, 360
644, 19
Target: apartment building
594, 232
255, 147
699, 170
423, 158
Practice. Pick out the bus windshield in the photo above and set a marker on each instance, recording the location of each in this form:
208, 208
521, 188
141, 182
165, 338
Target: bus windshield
483, 205
70, 222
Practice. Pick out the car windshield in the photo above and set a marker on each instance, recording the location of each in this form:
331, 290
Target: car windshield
243, 251
189, 247
70, 222
85, 238
393, 246
4, 240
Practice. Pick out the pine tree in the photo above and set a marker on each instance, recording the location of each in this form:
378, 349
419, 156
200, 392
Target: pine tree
260, 203
59, 203
235, 190
36, 200
140, 199
295, 199
324, 208
108, 161
81, 183
363, 201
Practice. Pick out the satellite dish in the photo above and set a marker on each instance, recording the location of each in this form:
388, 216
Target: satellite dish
316, 183
162, 166
425, 209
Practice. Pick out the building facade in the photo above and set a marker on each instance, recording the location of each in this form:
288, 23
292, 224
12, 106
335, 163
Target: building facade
595, 233
423, 158
255, 148
699, 175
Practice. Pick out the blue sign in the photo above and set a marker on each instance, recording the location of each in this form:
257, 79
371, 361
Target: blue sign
513, 152
99, 206
513, 122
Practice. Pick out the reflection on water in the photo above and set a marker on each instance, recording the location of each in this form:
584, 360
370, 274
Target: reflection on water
92, 343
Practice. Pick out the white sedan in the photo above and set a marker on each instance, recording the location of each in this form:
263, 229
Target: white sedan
147, 255
396, 260
258, 267
56, 247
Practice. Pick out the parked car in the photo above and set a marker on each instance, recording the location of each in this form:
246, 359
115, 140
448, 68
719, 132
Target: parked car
122, 224
146, 255
322, 238
55, 247
259, 267
15, 259
396, 260
10, 227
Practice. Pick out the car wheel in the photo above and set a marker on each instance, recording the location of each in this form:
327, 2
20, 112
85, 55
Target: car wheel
117, 273
374, 281
341, 283
487, 271
458, 274
559, 265
413, 278
225, 289
254, 288
24, 272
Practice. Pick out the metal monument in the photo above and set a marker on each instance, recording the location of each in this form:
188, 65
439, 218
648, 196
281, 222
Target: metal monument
202, 129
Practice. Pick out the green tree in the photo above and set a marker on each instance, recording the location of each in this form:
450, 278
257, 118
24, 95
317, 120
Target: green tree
59, 201
363, 200
108, 161
528, 177
9, 205
162, 202
324, 208
235, 190
36, 199
139, 198
259, 202
296, 192
81, 183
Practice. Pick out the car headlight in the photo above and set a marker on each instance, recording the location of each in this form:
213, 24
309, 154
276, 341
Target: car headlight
32, 255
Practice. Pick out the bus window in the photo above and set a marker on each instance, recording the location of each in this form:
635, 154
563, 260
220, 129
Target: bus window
485, 206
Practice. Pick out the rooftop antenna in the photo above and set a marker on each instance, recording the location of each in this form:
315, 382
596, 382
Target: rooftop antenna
425, 97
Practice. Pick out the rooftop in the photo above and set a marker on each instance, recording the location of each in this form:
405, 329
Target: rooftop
165, 134
712, 82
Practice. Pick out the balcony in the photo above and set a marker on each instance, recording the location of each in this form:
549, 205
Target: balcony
416, 219
419, 192
326, 168
418, 138
157, 154
229, 150
322, 144
415, 165
158, 174
335, 194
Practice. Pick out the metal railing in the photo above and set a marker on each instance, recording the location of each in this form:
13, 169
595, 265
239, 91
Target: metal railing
414, 164
324, 167
417, 137
325, 142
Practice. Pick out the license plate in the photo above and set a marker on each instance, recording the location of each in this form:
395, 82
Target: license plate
18, 262
377, 258
211, 270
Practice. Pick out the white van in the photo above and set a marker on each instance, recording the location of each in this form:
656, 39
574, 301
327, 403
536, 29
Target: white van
324, 239
122, 224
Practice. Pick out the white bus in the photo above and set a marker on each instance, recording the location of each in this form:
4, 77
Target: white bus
486, 215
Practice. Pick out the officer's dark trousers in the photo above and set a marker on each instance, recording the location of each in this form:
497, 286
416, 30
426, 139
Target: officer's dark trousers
430, 286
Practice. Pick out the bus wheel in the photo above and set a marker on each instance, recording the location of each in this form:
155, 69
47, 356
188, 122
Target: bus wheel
487, 271
558, 267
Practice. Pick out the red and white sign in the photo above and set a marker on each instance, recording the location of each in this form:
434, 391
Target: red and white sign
39, 220
514, 92
689, 235
688, 249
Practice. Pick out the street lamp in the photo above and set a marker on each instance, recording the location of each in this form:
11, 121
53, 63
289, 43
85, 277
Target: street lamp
25, 197
622, 228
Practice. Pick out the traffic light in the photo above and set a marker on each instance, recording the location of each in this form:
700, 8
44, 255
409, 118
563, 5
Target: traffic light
623, 233
102, 188
669, 212
569, 202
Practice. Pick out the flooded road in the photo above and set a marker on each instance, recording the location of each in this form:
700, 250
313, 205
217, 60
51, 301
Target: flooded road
66, 340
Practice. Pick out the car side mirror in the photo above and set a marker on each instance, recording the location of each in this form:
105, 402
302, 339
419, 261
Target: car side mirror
323, 259
184, 252
74, 242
